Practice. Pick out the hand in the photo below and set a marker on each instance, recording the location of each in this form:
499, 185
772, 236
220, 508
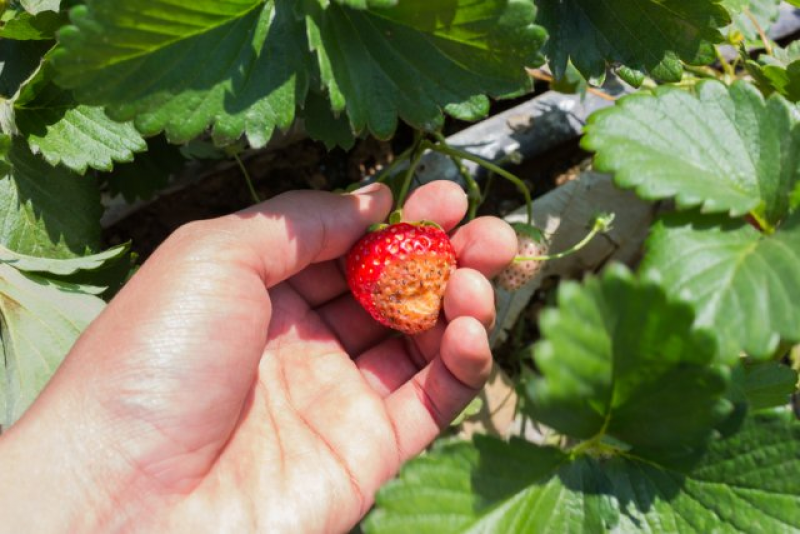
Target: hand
234, 385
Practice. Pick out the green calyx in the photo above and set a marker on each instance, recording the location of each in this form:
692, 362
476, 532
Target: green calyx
396, 217
528, 230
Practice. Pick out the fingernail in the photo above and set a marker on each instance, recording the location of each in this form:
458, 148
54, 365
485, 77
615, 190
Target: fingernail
367, 189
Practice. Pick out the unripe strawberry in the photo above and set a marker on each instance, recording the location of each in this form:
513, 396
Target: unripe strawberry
531, 243
399, 272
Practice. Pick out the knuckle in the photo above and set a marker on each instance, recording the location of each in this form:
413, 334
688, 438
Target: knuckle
196, 238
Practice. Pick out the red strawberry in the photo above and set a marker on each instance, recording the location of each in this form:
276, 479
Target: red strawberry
399, 273
530, 243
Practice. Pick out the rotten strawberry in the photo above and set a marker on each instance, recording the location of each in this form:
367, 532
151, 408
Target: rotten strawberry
399, 272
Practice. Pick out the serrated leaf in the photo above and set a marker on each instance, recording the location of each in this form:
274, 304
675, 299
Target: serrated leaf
779, 72
745, 285
238, 66
59, 266
65, 132
747, 483
620, 359
652, 36
725, 150
422, 59
417, 62
322, 125
40, 320
24, 26
46, 211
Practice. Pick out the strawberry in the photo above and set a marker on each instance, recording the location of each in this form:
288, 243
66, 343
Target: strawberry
399, 272
530, 243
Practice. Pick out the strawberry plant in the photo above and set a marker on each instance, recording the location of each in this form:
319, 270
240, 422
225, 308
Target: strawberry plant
660, 389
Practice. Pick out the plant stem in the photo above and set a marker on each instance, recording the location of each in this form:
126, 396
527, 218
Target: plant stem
538, 74
474, 195
448, 150
247, 179
760, 30
417, 152
487, 187
601, 224
702, 72
386, 172
725, 65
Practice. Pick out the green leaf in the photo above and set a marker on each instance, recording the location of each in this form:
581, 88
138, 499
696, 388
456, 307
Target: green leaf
422, 59
779, 72
766, 384
59, 266
245, 67
239, 66
77, 136
37, 6
40, 320
322, 125
620, 359
24, 26
652, 36
745, 285
46, 211
725, 150
748, 483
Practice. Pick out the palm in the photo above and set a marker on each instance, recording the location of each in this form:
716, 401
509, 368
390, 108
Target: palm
313, 426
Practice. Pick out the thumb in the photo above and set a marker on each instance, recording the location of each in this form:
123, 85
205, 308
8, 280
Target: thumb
283, 236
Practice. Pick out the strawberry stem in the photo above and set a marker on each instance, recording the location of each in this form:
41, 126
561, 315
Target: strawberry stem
602, 223
474, 195
247, 179
387, 171
443, 148
417, 152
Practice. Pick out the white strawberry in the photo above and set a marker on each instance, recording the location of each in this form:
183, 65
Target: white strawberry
531, 244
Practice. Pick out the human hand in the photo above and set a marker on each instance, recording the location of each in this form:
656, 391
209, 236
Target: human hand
234, 384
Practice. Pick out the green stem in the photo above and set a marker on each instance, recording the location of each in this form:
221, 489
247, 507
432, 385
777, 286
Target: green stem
761, 33
417, 152
386, 172
601, 224
724, 62
474, 195
703, 72
448, 150
247, 179
487, 187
